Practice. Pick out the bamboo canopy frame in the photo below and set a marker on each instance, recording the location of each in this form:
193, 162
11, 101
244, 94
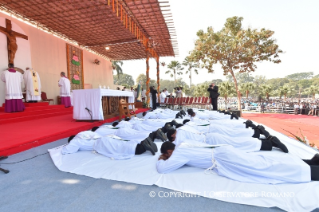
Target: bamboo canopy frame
131, 29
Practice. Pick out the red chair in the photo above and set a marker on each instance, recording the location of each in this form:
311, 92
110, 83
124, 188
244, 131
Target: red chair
45, 98
190, 102
199, 101
194, 102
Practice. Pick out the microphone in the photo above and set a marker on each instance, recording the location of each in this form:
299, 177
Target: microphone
87, 109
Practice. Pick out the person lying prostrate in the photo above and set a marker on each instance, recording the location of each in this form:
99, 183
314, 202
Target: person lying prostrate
149, 115
247, 144
185, 132
83, 141
227, 161
120, 150
87, 143
105, 130
124, 124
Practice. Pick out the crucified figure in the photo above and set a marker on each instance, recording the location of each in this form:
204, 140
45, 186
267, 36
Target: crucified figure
12, 45
12, 41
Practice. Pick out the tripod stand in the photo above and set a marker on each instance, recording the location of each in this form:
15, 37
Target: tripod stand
4, 170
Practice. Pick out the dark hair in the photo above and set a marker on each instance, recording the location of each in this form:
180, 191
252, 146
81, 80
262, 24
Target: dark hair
185, 121
179, 125
94, 129
127, 119
70, 138
115, 123
190, 111
169, 134
167, 146
144, 113
10, 65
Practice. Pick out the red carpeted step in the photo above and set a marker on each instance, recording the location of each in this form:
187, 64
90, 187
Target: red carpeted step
20, 136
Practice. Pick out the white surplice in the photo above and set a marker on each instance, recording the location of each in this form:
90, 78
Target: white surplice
13, 82
115, 148
256, 167
83, 141
65, 87
131, 134
28, 82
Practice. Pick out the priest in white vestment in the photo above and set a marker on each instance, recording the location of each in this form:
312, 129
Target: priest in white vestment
163, 97
32, 85
13, 99
227, 161
65, 90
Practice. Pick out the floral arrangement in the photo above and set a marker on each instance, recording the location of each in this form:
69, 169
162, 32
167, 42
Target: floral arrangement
75, 60
76, 79
302, 139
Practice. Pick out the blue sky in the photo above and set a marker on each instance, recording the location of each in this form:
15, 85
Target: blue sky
296, 26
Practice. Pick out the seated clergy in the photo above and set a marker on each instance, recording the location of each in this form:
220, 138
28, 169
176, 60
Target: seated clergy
13, 91
238, 165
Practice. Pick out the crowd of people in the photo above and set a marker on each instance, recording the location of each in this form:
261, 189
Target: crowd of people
305, 106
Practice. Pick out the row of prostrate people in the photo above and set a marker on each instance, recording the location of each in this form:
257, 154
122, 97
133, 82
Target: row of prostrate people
212, 140
13, 80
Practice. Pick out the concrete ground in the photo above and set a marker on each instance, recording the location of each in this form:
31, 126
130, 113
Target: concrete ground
37, 185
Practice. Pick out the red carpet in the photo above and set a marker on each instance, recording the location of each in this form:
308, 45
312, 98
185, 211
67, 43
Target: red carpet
39, 125
309, 125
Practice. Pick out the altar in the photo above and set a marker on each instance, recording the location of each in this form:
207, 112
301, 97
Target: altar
98, 104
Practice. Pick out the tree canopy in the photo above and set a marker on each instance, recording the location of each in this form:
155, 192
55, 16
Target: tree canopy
123, 79
235, 49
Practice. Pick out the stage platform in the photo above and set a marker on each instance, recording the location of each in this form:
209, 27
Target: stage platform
38, 125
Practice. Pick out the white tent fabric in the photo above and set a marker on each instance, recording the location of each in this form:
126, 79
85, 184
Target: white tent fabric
141, 169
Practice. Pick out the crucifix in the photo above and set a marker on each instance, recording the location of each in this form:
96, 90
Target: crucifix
11, 40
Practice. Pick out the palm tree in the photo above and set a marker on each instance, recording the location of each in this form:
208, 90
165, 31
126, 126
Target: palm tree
190, 66
226, 89
312, 90
265, 90
285, 90
174, 68
116, 65
247, 87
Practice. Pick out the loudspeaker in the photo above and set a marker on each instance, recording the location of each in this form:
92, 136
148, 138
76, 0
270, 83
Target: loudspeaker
236, 112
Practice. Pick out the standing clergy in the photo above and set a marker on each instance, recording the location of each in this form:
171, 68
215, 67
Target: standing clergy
13, 80
65, 92
213, 94
32, 85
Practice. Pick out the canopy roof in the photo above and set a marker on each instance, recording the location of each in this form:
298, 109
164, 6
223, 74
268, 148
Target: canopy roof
127, 27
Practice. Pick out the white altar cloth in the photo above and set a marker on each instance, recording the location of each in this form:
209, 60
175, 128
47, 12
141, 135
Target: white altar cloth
92, 99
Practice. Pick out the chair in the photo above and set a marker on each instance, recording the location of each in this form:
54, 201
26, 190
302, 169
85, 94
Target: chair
124, 109
164, 104
45, 98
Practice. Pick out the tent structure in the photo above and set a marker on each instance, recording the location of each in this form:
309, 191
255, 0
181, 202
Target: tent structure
114, 29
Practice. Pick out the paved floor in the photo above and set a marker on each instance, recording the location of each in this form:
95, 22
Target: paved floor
37, 185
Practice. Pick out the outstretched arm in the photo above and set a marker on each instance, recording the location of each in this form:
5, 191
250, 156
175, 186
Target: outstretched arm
4, 32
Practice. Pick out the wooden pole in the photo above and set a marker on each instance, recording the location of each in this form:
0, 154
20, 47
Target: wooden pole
147, 77
158, 79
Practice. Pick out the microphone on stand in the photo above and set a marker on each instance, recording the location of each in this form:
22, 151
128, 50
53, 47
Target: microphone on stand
90, 112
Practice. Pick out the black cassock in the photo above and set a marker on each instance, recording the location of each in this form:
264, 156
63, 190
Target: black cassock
154, 96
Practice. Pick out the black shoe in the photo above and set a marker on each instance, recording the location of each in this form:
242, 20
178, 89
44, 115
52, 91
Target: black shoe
166, 127
315, 159
161, 135
249, 123
183, 112
277, 143
178, 115
233, 116
152, 144
174, 123
147, 145
263, 131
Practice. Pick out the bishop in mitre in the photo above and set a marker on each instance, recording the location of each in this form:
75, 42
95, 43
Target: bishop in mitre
32, 85
13, 99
